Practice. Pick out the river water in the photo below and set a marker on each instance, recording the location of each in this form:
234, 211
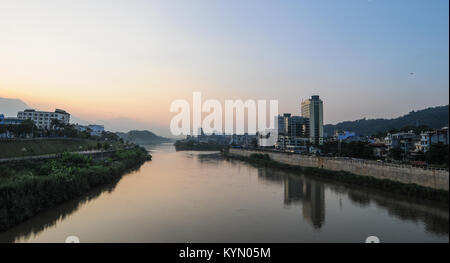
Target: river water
195, 196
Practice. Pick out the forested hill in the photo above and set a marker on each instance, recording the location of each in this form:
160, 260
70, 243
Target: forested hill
434, 117
142, 137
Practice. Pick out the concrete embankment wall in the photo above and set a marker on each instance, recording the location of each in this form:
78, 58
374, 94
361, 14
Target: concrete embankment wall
433, 178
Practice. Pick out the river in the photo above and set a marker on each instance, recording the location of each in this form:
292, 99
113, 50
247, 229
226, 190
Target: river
192, 196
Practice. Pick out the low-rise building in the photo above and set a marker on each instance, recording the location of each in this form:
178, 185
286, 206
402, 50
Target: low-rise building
346, 136
9, 120
378, 149
6, 135
405, 141
93, 129
432, 137
43, 119
292, 143
96, 130
80, 128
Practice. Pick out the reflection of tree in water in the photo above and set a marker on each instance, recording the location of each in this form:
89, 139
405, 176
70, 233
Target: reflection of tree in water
213, 158
310, 193
209, 159
271, 176
435, 220
361, 200
49, 218
434, 216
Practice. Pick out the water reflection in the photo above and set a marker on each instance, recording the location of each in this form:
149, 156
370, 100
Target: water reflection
435, 217
309, 193
51, 217
312, 196
300, 191
202, 197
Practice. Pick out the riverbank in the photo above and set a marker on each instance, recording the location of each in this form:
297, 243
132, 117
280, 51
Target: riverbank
39, 146
29, 187
189, 146
408, 189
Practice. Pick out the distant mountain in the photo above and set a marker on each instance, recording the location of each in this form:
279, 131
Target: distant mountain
124, 124
10, 107
434, 117
142, 137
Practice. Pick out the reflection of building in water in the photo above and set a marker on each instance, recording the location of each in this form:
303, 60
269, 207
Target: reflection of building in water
293, 190
270, 175
312, 196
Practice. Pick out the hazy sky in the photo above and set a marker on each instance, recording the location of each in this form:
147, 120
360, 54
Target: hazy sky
131, 59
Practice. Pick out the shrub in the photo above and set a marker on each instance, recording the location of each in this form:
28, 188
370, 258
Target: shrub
40, 185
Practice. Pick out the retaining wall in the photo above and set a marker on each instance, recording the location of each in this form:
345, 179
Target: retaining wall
433, 178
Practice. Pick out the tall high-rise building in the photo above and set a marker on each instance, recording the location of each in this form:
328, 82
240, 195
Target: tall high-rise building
296, 126
293, 126
313, 110
286, 120
291, 131
280, 120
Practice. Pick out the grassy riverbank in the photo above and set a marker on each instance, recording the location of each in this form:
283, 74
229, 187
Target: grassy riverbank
27, 188
412, 190
190, 146
27, 147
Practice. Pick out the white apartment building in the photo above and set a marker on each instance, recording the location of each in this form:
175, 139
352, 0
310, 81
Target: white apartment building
313, 110
43, 119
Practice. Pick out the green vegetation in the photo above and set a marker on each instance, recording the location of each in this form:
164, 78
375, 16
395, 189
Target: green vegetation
259, 157
360, 150
438, 155
416, 129
58, 129
435, 117
412, 190
27, 188
396, 153
142, 137
192, 146
21, 130
19, 148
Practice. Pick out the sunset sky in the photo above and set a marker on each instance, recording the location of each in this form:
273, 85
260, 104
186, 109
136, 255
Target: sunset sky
113, 60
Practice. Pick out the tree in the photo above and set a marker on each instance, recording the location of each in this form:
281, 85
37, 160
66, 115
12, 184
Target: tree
56, 124
3, 129
349, 149
26, 127
438, 154
106, 146
109, 136
70, 131
396, 153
